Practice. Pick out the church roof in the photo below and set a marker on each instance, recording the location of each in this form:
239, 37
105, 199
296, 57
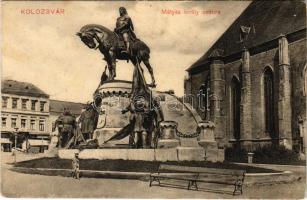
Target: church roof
21, 88
264, 21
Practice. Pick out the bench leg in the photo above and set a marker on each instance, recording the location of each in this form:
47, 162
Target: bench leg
150, 181
192, 184
153, 179
195, 184
241, 188
238, 187
234, 192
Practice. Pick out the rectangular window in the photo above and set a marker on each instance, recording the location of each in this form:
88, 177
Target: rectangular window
41, 125
13, 122
4, 102
42, 104
32, 124
14, 103
23, 123
3, 121
24, 104
33, 102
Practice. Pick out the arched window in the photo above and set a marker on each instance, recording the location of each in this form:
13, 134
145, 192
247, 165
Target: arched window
235, 107
305, 81
204, 104
268, 79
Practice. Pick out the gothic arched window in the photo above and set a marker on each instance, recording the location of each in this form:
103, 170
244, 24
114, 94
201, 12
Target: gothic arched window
204, 92
235, 107
268, 79
305, 81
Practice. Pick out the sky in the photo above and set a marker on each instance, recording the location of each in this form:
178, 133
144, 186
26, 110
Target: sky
44, 50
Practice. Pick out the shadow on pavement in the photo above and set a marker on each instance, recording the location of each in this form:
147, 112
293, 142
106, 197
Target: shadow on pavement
200, 189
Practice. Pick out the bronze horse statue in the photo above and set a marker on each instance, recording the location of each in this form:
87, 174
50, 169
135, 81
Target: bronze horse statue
111, 46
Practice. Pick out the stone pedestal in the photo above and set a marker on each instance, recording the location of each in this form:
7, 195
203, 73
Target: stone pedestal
168, 133
206, 136
164, 143
208, 143
111, 98
189, 142
206, 131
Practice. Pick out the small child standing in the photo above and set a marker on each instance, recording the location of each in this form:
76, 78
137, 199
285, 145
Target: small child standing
75, 167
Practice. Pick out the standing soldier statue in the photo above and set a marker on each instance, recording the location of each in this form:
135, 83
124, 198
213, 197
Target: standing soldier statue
138, 137
88, 121
66, 124
124, 28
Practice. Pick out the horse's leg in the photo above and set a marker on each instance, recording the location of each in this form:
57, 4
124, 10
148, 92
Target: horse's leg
112, 61
109, 69
134, 61
150, 70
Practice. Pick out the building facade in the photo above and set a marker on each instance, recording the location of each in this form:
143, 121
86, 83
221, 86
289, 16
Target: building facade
252, 82
25, 109
29, 112
57, 108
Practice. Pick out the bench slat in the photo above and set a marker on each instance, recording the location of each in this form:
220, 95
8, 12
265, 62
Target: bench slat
200, 174
175, 177
201, 170
229, 181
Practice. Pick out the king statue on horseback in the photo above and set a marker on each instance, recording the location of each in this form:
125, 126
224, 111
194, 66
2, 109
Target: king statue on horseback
124, 28
121, 44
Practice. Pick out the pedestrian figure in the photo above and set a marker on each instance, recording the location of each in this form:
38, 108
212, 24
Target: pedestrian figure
76, 167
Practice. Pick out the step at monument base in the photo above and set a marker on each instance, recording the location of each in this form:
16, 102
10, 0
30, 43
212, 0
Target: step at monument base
190, 153
168, 154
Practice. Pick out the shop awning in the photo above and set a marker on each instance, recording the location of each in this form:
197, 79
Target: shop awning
5, 141
38, 142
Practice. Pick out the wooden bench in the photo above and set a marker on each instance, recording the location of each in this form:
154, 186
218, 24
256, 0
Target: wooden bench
200, 174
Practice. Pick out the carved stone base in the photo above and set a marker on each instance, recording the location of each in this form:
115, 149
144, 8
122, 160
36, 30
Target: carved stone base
208, 144
189, 142
167, 143
212, 152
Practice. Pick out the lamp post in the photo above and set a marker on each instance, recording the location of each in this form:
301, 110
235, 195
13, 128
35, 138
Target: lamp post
15, 150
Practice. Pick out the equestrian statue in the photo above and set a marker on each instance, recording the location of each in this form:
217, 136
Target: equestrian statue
121, 44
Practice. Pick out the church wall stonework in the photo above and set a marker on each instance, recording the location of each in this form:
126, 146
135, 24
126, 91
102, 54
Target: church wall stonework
231, 70
258, 63
268, 58
298, 63
264, 63
197, 80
